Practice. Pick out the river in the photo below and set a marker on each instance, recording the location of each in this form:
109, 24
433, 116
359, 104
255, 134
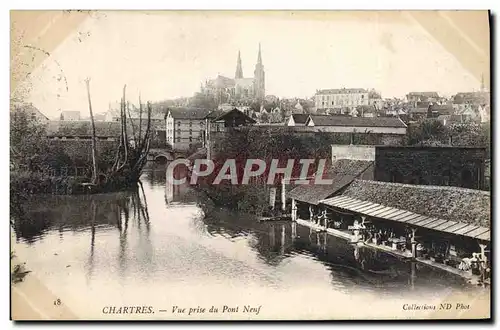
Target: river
157, 248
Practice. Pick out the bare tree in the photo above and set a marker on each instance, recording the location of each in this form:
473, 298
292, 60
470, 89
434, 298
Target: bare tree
94, 147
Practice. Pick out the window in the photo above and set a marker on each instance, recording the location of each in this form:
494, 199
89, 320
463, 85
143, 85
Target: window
178, 123
178, 139
190, 139
201, 124
190, 131
190, 124
179, 131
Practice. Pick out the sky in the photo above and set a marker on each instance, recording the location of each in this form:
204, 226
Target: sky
168, 55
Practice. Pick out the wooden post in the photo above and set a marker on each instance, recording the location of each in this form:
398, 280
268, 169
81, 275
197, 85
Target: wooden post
310, 213
483, 249
272, 238
94, 148
272, 197
283, 239
294, 230
294, 210
413, 274
283, 195
413, 243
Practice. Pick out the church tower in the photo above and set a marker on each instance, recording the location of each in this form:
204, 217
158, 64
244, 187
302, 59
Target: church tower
259, 78
239, 69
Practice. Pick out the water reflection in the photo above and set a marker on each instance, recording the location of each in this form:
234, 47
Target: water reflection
119, 230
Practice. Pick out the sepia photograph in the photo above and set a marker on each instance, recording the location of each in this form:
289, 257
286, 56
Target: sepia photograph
279, 165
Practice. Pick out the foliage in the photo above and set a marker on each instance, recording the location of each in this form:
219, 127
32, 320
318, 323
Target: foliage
427, 130
433, 133
200, 100
264, 118
28, 143
265, 144
276, 117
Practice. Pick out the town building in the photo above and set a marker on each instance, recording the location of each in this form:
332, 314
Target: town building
70, 115
462, 101
185, 127
82, 130
348, 124
439, 226
217, 124
422, 97
341, 99
226, 89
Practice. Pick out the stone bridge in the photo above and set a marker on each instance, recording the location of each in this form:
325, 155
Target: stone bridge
159, 154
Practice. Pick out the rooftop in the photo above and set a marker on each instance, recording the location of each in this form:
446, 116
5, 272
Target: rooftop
80, 128
300, 118
342, 91
325, 120
188, 113
447, 203
425, 94
343, 172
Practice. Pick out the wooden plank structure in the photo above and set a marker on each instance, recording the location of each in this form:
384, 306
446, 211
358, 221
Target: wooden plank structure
402, 216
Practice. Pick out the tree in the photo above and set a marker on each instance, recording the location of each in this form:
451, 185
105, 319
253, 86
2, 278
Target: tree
94, 147
427, 131
276, 117
28, 140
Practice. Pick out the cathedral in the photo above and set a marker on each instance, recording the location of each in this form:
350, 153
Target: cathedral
228, 89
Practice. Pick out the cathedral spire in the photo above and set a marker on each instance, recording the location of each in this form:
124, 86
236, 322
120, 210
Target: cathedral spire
259, 57
259, 78
239, 69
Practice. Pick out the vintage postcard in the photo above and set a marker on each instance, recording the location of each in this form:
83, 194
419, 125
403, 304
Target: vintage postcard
250, 165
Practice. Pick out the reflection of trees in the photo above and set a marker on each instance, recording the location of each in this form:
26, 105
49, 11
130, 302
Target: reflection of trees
133, 205
274, 243
273, 240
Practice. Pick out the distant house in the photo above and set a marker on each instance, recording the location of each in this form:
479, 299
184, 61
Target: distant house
366, 111
418, 113
422, 96
297, 119
70, 115
346, 124
27, 108
298, 108
462, 100
484, 113
82, 130
448, 120
185, 127
341, 98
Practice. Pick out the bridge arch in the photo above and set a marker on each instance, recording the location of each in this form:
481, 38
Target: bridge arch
161, 158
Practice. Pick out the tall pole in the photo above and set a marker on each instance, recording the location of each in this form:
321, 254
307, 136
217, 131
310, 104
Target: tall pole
94, 151
283, 195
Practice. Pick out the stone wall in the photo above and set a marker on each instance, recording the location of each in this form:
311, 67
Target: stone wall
447, 166
354, 152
